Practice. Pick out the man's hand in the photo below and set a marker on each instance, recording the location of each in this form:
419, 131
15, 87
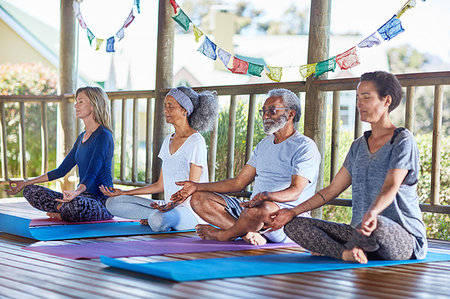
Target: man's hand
280, 218
110, 191
15, 187
188, 189
256, 200
368, 223
68, 196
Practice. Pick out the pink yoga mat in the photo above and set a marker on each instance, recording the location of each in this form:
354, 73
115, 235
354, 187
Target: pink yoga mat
148, 248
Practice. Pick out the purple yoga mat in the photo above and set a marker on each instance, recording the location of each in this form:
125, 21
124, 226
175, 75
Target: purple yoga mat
147, 248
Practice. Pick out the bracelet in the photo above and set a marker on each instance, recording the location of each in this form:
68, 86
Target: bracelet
321, 196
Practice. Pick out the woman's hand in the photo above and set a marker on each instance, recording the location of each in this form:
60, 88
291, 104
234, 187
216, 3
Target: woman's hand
68, 196
15, 187
165, 207
368, 223
256, 200
110, 191
280, 218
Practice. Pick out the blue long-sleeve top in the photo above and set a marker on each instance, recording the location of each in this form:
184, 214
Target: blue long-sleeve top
94, 159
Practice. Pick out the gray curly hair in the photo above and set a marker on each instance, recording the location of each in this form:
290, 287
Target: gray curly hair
290, 100
206, 107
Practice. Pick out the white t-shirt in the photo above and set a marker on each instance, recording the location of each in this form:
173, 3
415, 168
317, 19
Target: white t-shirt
276, 163
176, 166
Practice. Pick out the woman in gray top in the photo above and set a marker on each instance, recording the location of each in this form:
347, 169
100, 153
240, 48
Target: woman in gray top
383, 169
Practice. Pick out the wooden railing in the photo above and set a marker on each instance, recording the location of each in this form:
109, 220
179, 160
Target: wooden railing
144, 101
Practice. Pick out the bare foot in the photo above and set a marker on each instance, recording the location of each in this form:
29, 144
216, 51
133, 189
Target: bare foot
54, 215
143, 221
254, 238
355, 254
207, 232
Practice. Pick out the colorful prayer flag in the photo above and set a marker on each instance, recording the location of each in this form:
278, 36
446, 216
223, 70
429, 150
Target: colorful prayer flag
325, 66
408, 5
197, 33
391, 29
138, 5
174, 5
90, 36
208, 48
307, 70
120, 34
110, 44
275, 73
224, 56
370, 41
239, 66
129, 20
98, 43
81, 21
348, 59
76, 8
182, 19
255, 69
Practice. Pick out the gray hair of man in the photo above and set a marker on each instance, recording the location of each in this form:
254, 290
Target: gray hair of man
206, 108
290, 100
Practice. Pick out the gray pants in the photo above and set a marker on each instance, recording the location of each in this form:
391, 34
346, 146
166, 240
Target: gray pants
389, 241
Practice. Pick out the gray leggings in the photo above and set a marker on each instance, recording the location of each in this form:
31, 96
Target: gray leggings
389, 241
85, 207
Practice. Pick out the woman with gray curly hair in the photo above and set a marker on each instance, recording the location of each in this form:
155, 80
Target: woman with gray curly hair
184, 157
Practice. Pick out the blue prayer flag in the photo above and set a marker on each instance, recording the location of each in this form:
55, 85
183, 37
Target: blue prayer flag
391, 29
110, 44
208, 48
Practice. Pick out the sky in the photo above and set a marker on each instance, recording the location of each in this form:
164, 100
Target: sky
427, 25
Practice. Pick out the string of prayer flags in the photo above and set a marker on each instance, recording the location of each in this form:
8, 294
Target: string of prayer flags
182, 19
370, 41
307, 70
208, 48
175, 6
239, 66
129, 20
391, 29
275, 73
408, 5
325, 66
90, 36
110, 44
255, 69
197, 33
98, 43
224, 56
348, 59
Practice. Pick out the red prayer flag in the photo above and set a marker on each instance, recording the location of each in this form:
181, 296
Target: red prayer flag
348, 59
129, 20
239, 66
174, 5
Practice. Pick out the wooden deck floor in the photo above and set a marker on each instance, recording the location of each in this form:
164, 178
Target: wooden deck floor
27, 274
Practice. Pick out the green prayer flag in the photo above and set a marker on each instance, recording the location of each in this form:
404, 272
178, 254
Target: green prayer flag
182, 19
325, 66
255, 69
90, 36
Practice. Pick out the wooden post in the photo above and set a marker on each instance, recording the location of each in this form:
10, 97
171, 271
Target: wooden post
335, 130
436, 147
315, 100
409, 113
164, 77
67, 78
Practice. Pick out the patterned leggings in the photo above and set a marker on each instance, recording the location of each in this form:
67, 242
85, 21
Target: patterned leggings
85, 207
389, 241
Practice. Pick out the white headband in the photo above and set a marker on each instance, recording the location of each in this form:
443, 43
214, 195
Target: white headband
182, 99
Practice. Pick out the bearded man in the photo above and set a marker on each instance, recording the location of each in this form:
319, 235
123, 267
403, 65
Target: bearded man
284, 167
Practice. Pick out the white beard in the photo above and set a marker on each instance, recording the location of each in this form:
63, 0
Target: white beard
271, 126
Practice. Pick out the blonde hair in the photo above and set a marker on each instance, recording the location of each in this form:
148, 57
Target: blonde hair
100, 102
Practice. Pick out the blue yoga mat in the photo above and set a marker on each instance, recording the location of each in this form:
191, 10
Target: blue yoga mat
21, 227
244, 266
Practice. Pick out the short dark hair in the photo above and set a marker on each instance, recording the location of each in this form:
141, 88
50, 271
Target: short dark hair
385, 84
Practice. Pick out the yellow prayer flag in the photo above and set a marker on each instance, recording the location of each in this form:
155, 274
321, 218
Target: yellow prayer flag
98, 43
197, 33
307, 70
275, 73
408, 5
